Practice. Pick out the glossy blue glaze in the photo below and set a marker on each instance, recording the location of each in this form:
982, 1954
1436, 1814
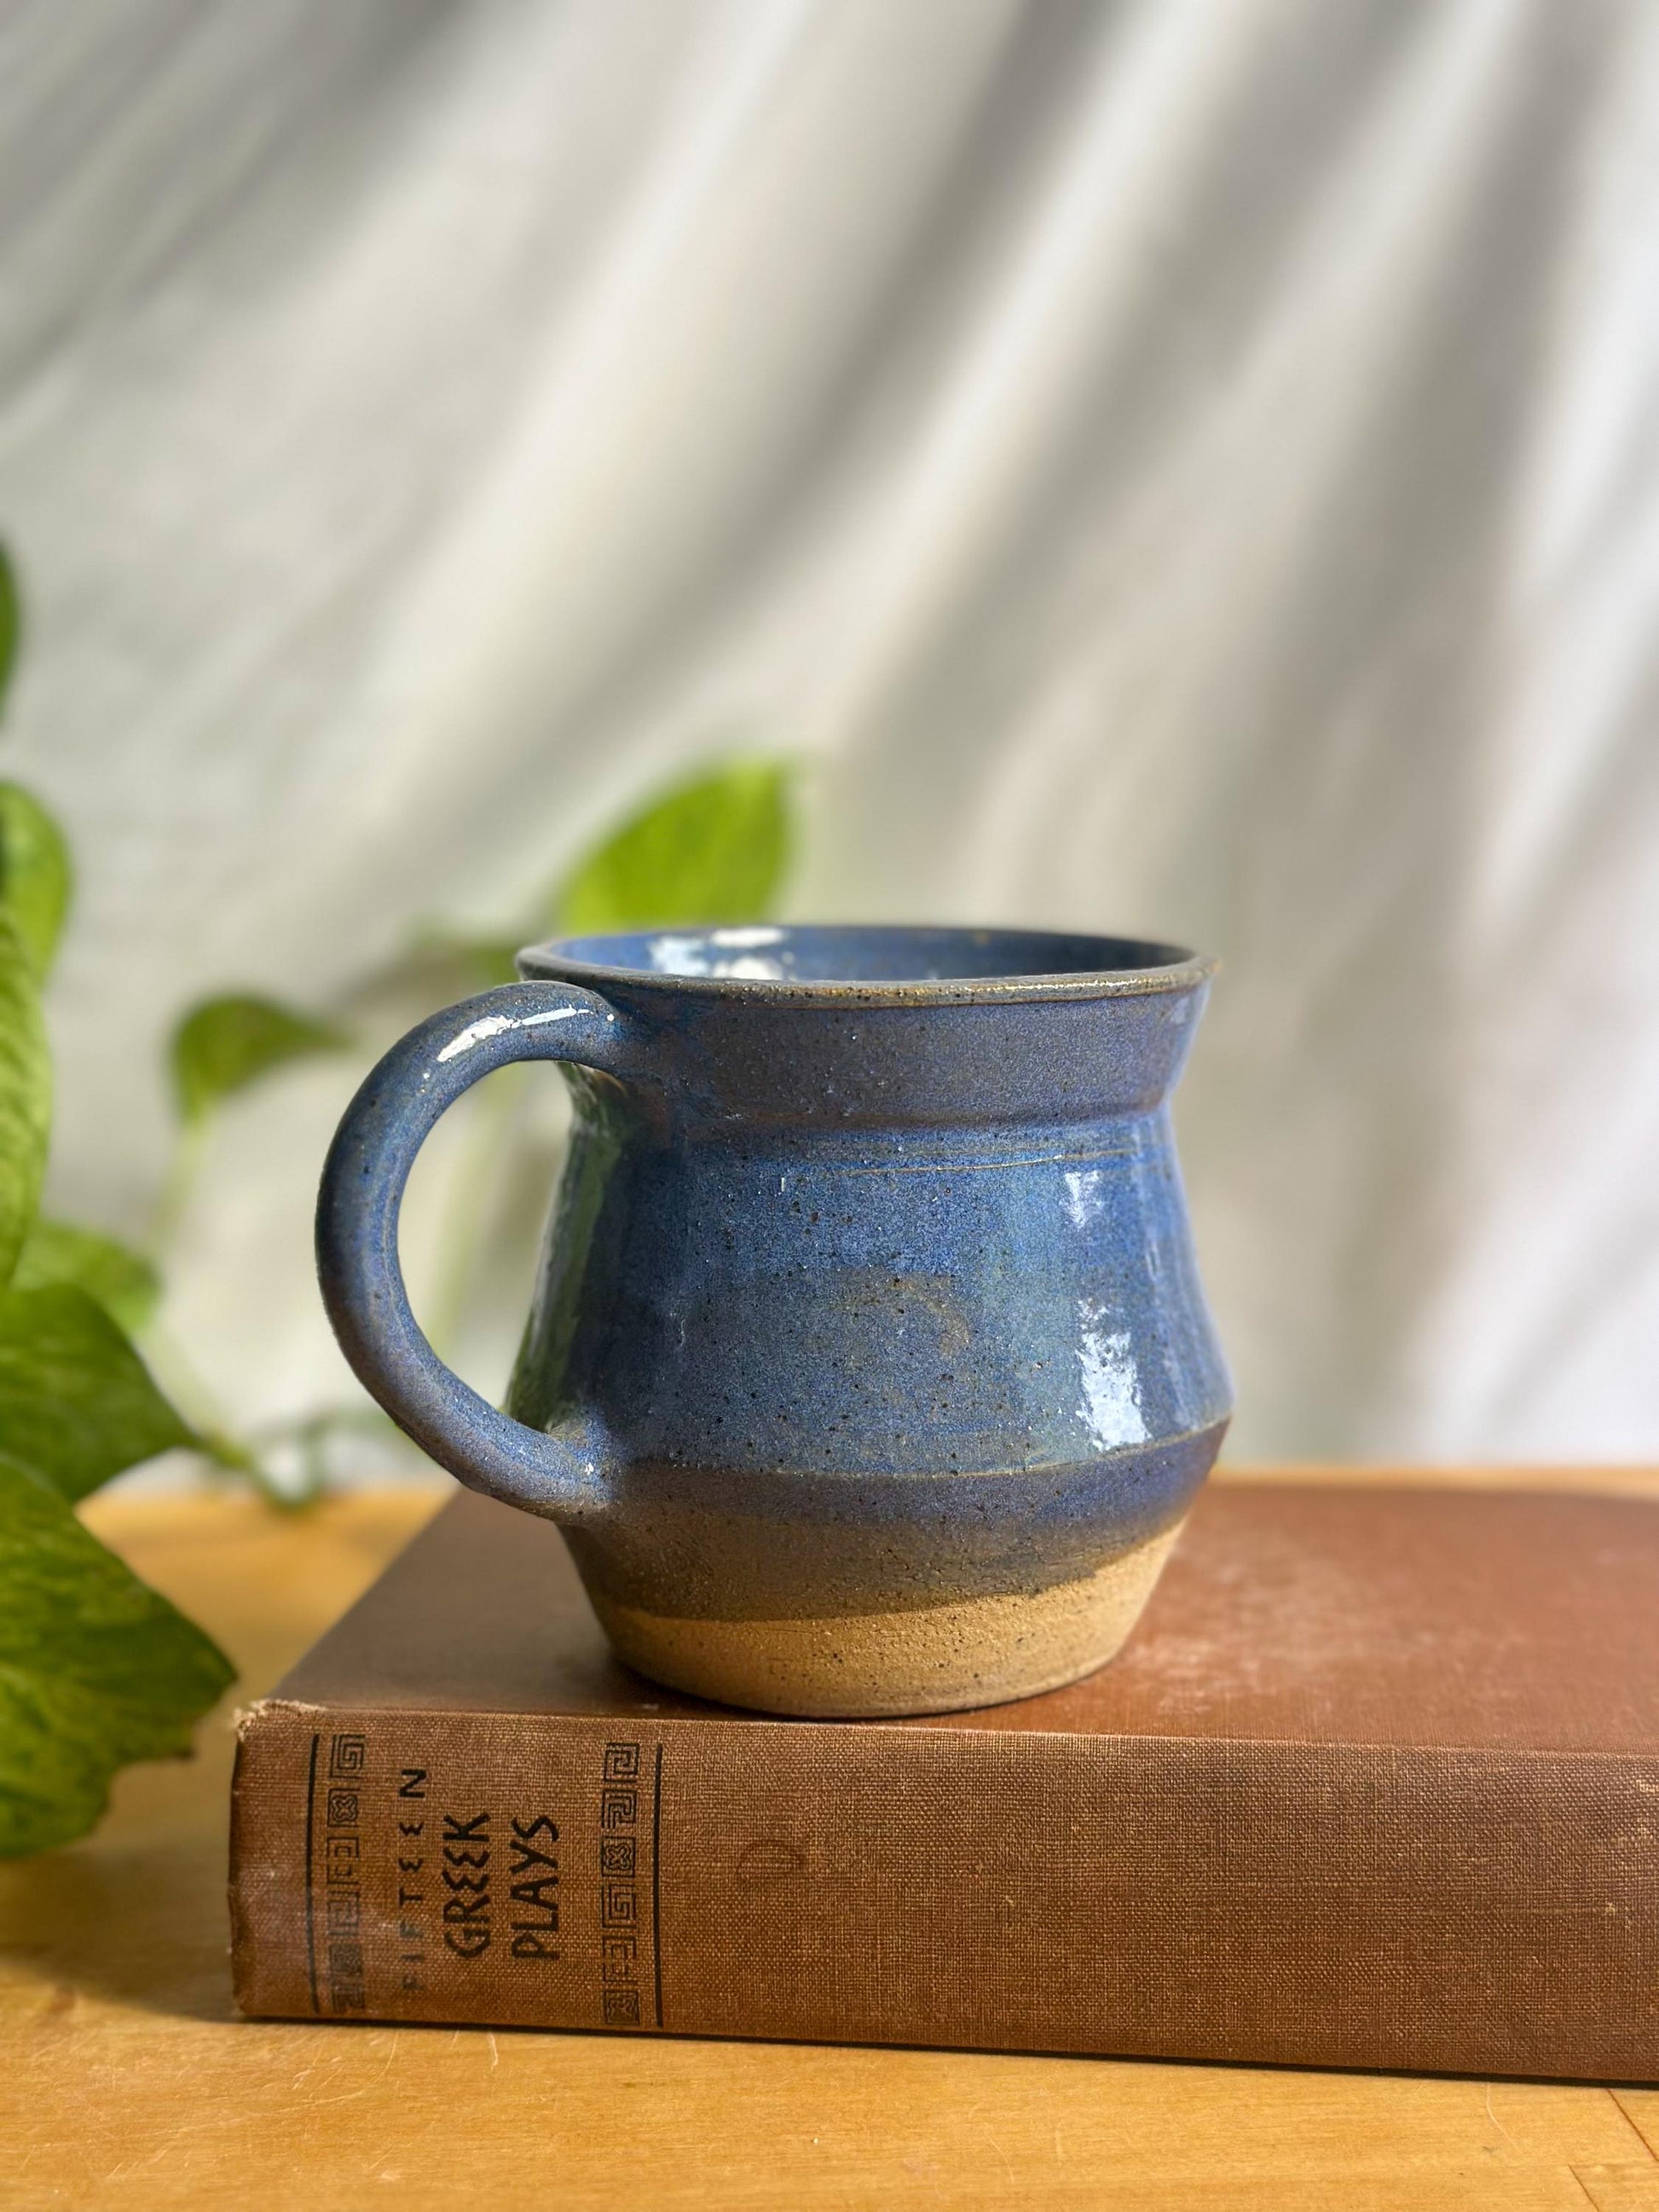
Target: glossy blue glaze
869, 1286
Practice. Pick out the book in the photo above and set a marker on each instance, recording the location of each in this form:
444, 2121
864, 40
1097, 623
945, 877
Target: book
1375, 1783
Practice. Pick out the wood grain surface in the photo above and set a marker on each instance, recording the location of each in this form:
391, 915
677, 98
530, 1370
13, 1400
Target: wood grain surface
126, 2080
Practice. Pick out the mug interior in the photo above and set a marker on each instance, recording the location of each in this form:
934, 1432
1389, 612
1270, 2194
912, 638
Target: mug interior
851, 955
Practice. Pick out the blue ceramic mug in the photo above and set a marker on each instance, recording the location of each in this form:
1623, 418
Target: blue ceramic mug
868, 1369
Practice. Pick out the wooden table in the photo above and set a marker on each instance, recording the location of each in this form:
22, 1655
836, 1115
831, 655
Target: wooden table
126, 2079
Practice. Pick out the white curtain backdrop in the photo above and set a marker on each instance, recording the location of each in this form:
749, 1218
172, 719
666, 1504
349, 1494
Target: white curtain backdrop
1188, 468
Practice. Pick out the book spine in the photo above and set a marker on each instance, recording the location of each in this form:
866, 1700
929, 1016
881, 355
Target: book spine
1455, 1911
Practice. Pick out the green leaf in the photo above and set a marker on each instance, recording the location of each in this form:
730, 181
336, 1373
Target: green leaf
36, 878
224, 1044
25, 1095
123, 1281
76, 1402
482, 961
11, 622
713, 849
487, 960
96, 1670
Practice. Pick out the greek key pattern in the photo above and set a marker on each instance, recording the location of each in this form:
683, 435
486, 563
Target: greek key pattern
619, 1897
343, 1874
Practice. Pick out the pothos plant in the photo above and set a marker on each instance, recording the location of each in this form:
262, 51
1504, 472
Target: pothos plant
97, 1670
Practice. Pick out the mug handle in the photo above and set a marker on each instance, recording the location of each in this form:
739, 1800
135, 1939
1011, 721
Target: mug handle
561, 1471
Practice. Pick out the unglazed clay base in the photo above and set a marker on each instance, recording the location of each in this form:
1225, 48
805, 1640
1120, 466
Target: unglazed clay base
934, 1659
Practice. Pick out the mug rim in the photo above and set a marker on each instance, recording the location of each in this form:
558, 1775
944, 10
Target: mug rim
578, 958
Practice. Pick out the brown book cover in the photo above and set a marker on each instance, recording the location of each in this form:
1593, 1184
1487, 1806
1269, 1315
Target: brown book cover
1375, 1783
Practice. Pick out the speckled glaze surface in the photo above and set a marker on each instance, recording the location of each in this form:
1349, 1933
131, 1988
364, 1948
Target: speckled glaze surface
869, 1370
